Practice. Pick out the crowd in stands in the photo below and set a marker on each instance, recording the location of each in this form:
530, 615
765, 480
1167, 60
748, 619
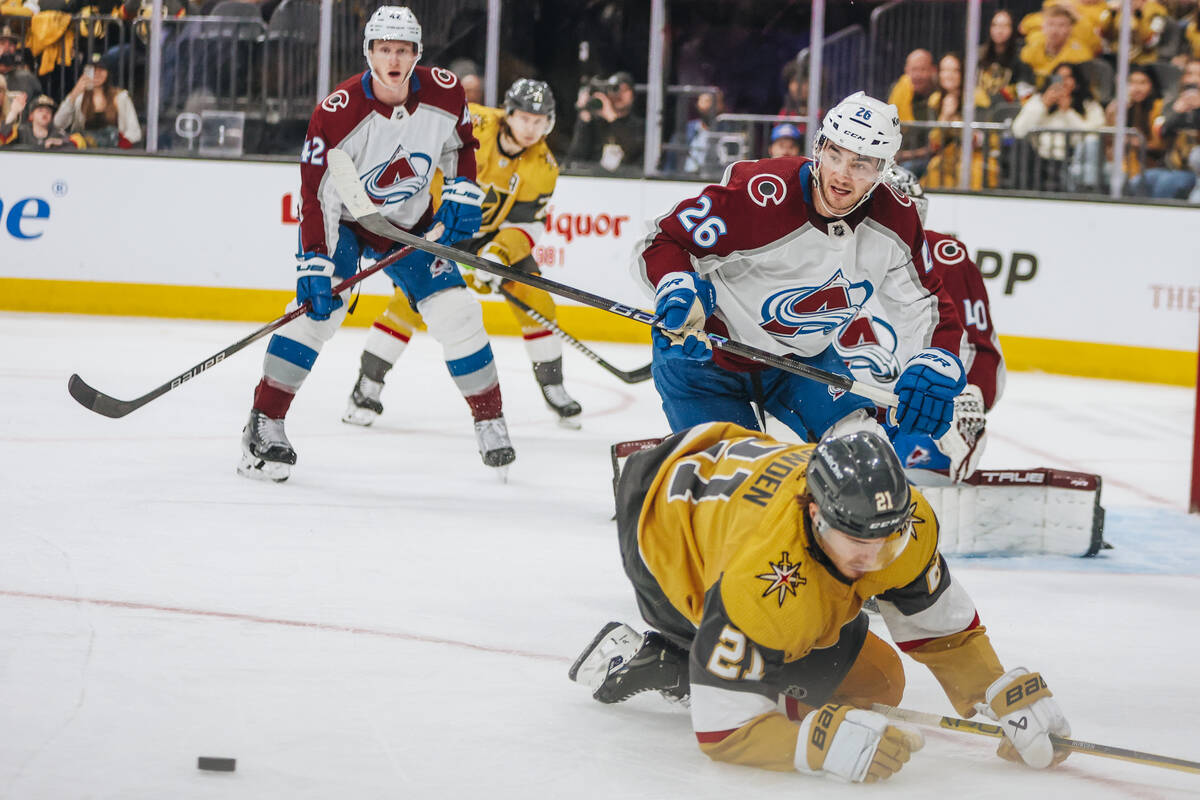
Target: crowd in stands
1046, 97
1044, 104
1048, 76
63, 55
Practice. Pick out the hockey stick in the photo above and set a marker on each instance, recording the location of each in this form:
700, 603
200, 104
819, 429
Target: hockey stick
345, 178
633, 376
109, 406
1074, 745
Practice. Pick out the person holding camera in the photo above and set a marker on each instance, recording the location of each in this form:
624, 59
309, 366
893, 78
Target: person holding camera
607, 132
100, 111
12, 69
1066, 105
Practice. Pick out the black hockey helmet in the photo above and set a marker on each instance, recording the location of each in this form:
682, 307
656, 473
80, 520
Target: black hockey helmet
859, 485
532, 96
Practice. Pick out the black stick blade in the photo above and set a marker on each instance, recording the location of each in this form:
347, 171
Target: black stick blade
97, 401
638, 375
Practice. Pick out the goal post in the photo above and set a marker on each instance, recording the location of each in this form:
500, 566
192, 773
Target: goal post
1194, 494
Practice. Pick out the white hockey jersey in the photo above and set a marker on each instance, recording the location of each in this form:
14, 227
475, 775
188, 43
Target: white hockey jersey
787, 279
395, 149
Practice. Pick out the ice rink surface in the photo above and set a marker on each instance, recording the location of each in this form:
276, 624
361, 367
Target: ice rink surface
395, 622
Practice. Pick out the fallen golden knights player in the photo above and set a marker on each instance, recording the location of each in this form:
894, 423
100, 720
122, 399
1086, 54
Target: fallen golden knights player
518, 172
751, 558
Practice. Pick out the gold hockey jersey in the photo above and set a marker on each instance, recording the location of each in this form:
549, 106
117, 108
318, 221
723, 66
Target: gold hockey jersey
723, 530
517, 189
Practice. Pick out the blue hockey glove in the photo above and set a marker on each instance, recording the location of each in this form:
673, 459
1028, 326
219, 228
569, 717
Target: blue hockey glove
926, 389
314, 282
461, 210
683, 302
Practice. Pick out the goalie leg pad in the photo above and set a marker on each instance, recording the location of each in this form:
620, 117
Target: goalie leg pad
1020, 512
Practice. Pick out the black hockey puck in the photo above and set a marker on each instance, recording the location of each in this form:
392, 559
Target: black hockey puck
216, 764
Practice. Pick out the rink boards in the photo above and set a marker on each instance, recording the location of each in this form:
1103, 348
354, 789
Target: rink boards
1083, 288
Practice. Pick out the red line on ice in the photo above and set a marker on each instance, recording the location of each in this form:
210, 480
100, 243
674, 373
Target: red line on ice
291, 623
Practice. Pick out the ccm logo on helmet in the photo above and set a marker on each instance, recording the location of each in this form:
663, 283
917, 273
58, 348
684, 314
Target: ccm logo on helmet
767, 188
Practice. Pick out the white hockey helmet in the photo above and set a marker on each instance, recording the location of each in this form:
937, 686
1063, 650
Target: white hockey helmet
907, 184
392, 24
863, 125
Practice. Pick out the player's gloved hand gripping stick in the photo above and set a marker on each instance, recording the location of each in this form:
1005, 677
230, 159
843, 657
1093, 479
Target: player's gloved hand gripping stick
345, 177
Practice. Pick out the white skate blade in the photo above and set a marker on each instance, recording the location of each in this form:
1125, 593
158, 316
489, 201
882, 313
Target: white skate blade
355, 415
570, 423
259, 470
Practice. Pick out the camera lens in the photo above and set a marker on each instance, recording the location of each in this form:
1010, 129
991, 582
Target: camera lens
593, 104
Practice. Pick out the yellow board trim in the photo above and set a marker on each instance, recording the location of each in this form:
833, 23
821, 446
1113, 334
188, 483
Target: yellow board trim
1085, 359
1092, 360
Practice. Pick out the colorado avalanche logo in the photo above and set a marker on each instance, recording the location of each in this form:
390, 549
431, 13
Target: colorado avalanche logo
917, 457
808, 310
767, 188
867, 343
398, 178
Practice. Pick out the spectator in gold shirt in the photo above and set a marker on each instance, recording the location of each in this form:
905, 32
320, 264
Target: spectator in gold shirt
910, 95
1044, 53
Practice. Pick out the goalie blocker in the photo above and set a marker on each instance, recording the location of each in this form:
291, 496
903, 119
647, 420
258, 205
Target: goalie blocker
996, 512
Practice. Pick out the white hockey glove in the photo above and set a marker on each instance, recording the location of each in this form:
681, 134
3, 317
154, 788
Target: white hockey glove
964, 443
853, 744
480, 280
1025, 708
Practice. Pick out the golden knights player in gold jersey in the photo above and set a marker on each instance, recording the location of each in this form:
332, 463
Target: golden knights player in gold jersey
518, 172
752, 559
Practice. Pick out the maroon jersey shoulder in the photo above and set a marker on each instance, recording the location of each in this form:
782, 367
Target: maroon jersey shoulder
757, 202
897, 213
946, 250
342, 110
441, 88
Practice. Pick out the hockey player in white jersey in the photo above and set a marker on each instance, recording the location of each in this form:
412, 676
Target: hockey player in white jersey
780, 255
399, 122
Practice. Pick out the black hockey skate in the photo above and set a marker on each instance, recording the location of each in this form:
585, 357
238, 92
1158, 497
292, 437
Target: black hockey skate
658, 665
364, 406
550, 381
266, 452
562, 404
